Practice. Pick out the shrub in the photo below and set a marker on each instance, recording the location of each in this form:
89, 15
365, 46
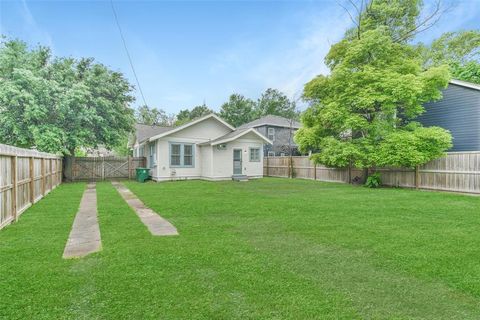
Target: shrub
374, 180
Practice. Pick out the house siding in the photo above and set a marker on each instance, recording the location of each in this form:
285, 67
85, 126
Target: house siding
281, 143
223, 159
458, 112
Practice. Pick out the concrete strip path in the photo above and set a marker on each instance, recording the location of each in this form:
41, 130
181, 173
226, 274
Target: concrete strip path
157, 225
85, 234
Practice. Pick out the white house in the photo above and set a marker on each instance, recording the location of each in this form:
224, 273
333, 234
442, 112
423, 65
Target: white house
205, 148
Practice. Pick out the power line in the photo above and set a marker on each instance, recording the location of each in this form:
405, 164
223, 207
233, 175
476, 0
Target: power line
128, 53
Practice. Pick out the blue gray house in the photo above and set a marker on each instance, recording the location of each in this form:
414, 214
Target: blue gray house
280, 131
459, 112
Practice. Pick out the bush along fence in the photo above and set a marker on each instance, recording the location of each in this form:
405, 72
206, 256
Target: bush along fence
457, 172
26, 176
102, 168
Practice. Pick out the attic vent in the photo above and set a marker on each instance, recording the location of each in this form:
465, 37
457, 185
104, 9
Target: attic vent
222, 146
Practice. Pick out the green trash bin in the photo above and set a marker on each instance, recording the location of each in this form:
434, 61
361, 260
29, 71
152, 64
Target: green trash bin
142, 174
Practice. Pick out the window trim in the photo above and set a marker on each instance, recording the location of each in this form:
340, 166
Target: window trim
259, 154
182, 154
271, 134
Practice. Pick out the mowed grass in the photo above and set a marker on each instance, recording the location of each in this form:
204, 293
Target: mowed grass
265, 249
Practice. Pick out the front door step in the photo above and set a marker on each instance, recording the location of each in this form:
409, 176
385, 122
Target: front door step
239, 178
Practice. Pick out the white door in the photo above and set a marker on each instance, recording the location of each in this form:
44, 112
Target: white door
237, 161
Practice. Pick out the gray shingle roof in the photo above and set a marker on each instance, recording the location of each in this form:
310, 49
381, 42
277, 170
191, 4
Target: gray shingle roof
227, 136
145, 131
271, 120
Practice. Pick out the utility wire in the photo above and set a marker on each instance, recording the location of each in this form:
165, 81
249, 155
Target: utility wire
128, 53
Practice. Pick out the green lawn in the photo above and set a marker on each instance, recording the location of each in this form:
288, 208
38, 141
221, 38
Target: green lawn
271, 248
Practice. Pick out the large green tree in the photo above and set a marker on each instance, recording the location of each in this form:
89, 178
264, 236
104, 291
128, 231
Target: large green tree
376, 88
275, 102
237, 110
60, 104
459, 50
153, 116
187, 115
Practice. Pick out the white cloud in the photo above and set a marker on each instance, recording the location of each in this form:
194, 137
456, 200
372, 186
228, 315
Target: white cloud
36, 33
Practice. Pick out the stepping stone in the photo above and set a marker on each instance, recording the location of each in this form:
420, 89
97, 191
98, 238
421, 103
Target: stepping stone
85, 234
157, 225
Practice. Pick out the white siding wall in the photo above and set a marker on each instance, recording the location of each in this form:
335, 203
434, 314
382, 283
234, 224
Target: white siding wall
209, 129
223, 159
206, 156
164, 172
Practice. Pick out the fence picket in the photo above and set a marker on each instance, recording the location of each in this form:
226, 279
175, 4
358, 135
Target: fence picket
19, 172
102, 168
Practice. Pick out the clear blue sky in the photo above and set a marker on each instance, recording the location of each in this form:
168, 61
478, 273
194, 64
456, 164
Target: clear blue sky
189, 52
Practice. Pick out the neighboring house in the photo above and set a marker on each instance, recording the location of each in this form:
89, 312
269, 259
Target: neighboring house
280, 131
459, 112
205, 148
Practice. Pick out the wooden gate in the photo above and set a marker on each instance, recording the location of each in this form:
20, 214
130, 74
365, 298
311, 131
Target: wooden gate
102, 168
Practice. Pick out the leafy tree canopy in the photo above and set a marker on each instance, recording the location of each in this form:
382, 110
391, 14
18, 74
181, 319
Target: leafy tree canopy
459, 50
237, 110
60, 104
469, 71
275, 102
376, 88
187, 115
400, 19
153, 116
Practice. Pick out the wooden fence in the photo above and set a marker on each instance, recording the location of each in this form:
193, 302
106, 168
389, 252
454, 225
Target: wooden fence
457, 171
25, 177
102, 168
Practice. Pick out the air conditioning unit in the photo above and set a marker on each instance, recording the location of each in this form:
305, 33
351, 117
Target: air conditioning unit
222, 146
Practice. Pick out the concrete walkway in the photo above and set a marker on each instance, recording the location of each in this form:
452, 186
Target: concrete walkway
85, 234
157, 225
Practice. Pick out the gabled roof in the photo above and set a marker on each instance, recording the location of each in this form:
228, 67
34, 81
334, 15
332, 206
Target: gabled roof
235, 135
145, 131
189, 124
271, 120
465, 84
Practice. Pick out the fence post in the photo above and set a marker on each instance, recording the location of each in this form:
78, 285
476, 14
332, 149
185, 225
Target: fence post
314, 170
32, 180
129, 159
290, 168
14, 187
350, 172
50, 174
417, 177
268, 166
103, 168
43, 176
72, 168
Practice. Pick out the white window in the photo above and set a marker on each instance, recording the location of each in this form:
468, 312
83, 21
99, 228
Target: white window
182, 155
187, 155
271, 134
141, 151
271, 153
282, 154
254, 154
